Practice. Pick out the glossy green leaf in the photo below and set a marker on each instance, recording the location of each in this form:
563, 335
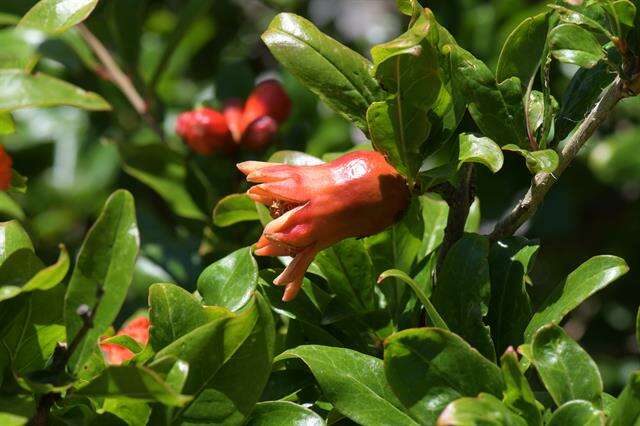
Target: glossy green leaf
510, 307
13, 237
230, 281
233, 209
19, 89
232, 356
165, 171
626, 410
337, 74
56, 16
542, 161
624, 12
522, 52
478, 149
434, 215
132, 382
32, 327
428, 368
577, 413
105, 261
125, 341
349, 272
294, 158
8, 419
174, 312
353, 382
483, 410
10, 208
572, 44
583, 91
518, 396
132, 412
590, 277
7, 126
565, 368
435, 318
463, 291
573, 16
496, 108
43, 279
275, 413
407, 67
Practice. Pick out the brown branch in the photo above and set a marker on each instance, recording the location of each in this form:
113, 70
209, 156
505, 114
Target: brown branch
542, 182
459, 200
119, 78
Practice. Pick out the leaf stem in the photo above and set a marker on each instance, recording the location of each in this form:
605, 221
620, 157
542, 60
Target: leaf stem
120, 79
542, 182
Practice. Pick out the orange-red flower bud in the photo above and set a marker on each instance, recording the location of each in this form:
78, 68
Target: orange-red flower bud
356, 195
5, 169
138, 330
259, 133
205, 131
267, 99
233, 111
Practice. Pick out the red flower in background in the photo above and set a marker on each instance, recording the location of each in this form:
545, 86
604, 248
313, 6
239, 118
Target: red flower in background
138, 330
251, 124
356, 195
5, 169
205, 131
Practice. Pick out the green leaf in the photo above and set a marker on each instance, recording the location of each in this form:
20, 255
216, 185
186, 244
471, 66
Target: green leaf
572, 44
542, 161
230, 281
132, 412
571, 16
626, 410
232, 356
407, 67
7, 126
590, 277
565, 368
353, 382
522, 52
462, 294
275, 413
233, 209
174, 312
483, 410
583, 91
43, 279
577, 413
165, 171
19, 89
294, 158
496, 108
510, 308
478, 149
124, 341
132, 382
8, 419
518, 396
57, 16
434, 215
349, 272
429, 367
106, 261
435, 318
13, 237
10, 208
337, 74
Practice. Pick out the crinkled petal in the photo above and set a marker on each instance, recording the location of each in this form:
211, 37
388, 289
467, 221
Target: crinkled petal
293, 274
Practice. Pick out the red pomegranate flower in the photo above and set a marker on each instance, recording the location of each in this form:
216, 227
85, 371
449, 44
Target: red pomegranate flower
251, 124
356, 195
205, 130
138, 330
5, 169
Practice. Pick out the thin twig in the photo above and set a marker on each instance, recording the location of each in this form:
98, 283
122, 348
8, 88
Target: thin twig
119, 78
459, 200
542, 182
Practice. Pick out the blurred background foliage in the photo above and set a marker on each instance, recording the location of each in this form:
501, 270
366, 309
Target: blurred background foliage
181, 54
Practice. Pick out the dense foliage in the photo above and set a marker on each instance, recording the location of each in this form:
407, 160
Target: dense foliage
132, 290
